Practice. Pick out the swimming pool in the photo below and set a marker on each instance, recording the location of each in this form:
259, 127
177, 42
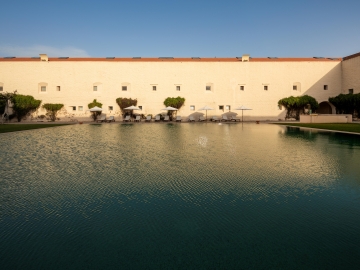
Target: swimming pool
179, 196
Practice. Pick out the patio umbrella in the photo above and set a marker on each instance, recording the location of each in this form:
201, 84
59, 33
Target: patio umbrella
132, 108
242, 108
170, 109
206, 108
95, 109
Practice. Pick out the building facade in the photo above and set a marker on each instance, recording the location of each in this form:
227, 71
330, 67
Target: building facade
221, 83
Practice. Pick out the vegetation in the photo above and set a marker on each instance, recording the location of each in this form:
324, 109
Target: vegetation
4, 98
125, 102
297, 105
347, 104
24, 105
93, 104
348, 127
177, 103
52, 110
20, 127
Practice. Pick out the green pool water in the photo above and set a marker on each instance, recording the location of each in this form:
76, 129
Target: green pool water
179, 196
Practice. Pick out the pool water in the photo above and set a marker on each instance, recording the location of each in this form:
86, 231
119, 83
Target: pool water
179, 196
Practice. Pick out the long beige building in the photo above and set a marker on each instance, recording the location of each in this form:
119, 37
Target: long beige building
221, 83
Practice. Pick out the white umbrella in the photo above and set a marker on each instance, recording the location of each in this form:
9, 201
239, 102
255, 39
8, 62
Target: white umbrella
242, 108
95, 109
132, 108
206, 108
170, 109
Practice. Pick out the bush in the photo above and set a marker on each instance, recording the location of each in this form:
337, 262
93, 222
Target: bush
346, 104
124, 103
177, 103
296, 105
24, 105
4, 99
52, 110
93, 104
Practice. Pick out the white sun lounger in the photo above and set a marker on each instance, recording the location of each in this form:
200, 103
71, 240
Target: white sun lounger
178, 118
101, 119
148, 118
191, 119
224, 118
166, 118
127, 119
201, 118
110, 119
157, 118
138, 118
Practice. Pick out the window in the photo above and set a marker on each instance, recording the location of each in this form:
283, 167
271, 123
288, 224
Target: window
295, 87
154, 87
1, 88
351, 91
266, 87
95, 88
140, 107
111, 108
124, 88
221, 107
325, 87
57, 88
208, 88
192, 108
178, 88
74, 108
242, 87
227, 107
280, 107
80, 108
43, 88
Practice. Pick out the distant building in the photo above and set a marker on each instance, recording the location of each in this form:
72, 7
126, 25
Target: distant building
221, 83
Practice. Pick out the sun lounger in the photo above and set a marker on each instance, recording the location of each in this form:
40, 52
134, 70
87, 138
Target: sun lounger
101, 119
127, 119
191, 119
233, 118
178, 118
110, 119
148, 118
214, 118
157, 118
201, 118
138, 118
224, 118
166, 118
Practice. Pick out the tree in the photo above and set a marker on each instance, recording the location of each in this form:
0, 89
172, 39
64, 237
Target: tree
297, 105
346, 104
125, 102
93, 104
177, 103
24, 105
52, 110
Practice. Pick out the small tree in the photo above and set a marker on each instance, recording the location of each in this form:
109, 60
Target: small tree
125, 102
296, 105
24, 105
346, 104
52, 110
177, 103
93, 104
5, 100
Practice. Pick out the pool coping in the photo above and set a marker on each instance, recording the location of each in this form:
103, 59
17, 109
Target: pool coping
328, 130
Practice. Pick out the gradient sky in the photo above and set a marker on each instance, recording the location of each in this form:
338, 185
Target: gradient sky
184, 28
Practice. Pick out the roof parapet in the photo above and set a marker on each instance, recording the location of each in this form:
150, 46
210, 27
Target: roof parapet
245, 58
44, 57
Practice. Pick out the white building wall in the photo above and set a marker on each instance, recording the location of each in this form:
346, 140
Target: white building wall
351, 75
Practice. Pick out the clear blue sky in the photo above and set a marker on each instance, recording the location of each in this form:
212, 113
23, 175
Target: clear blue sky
184, 28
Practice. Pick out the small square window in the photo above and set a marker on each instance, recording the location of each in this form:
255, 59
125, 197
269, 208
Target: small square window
111, 108
242, 87
266, 87
351, 91
208, 88
228, 107
43, 88
178, 88
221, 107
154, 87
57, 88
295, 87
1, 88
80, 108
74, 108
325, 87
94, 88
280, 107
124, 88
192, 108
140, 107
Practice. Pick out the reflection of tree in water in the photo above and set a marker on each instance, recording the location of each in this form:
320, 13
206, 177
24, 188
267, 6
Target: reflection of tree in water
350, 140
295, 132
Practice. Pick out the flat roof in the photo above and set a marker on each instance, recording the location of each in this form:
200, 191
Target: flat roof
175, 59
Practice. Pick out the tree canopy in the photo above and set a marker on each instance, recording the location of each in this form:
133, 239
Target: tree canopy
296, 105
177, 102
346, 104
52, 110
125, 102
93, 104
24, 105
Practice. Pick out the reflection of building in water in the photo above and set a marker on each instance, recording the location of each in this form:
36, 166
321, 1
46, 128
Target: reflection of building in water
221, 83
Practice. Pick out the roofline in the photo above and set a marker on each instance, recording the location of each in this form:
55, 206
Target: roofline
351, 56
146, 59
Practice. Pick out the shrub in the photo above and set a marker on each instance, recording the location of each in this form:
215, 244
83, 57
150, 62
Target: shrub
5, 98
296, 105
24, 105
125, 102
346, 104
93, 104
177, 103
52, 110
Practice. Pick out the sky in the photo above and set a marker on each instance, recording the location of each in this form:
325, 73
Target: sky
180, 28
